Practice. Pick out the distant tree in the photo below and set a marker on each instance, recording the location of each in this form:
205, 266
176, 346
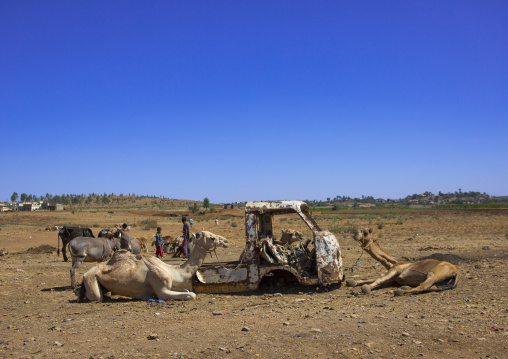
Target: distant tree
206, 202
23, 197
195, 208
64, 199
14, 197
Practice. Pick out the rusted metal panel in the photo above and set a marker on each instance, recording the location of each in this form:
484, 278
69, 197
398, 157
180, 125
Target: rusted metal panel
223, 275
296, 206
251, 234
328, 258
225, 278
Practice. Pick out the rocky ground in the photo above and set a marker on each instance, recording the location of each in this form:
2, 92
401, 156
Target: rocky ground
41, 318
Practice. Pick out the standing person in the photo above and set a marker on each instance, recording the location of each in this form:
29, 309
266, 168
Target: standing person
159, 241
185, 233
216, 221
191, 222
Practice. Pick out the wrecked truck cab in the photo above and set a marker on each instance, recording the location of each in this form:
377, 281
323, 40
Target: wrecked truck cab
266, 262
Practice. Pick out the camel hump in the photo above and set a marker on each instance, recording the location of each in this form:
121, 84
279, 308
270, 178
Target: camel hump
122, 255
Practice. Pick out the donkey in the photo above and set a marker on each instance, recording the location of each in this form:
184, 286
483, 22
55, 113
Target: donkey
85, 249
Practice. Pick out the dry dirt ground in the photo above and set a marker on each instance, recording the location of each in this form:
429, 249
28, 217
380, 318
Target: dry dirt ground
41, 318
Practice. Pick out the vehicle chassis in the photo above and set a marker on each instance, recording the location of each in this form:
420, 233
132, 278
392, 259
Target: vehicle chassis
250, 271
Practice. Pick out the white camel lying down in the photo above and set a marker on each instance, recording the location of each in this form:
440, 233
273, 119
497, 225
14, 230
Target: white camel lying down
143, 276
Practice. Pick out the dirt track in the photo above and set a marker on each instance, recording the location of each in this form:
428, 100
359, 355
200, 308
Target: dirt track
41, 318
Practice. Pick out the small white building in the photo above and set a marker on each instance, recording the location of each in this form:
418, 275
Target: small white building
31, 206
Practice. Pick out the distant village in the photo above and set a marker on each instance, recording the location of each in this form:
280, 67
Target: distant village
425, 199
30, 206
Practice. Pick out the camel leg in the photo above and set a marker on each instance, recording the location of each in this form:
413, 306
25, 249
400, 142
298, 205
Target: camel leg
180, 290
162, 282
92, 288
356, 283
426, 286
439, 274
387, 279
76, 262
166, 294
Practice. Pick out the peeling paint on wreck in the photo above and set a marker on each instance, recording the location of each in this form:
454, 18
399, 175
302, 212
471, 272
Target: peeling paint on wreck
247, 273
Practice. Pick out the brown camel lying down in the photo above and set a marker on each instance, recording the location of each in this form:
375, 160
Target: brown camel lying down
428, 275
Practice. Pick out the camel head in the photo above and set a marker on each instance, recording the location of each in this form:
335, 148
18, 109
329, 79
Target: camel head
364, 235
210, 241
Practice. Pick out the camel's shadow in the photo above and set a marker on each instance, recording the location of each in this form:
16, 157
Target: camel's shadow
269, 292
57, 289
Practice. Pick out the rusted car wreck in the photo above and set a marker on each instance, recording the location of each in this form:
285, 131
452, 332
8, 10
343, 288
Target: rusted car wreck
265, 262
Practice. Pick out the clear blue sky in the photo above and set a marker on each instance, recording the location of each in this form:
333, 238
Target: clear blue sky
253, 100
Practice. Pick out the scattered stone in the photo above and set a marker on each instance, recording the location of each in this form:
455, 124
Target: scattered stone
245, 329
486, 248
216, 313
58, 344
315, 330
285, 323
152, 336
405, 334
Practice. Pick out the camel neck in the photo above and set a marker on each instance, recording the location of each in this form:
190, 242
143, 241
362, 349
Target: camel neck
191, 266
379, 254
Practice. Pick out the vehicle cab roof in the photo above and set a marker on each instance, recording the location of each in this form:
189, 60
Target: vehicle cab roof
277, 207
